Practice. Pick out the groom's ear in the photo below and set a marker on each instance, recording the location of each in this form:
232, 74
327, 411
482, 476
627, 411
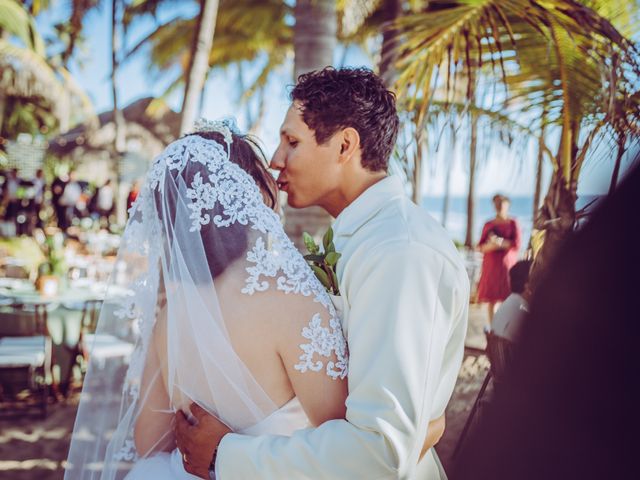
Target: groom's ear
350, 144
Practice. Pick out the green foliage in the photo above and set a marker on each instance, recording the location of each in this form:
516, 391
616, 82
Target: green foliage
246, 31
323, 263
37, 95
24, 248
17, 21
559, 56
53, 251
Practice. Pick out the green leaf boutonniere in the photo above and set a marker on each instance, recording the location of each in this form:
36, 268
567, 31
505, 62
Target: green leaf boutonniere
323, 263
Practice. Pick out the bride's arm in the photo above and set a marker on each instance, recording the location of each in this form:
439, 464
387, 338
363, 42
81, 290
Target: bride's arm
315, 375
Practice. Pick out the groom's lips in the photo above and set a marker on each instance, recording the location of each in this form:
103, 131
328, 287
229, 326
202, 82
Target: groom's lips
284, 186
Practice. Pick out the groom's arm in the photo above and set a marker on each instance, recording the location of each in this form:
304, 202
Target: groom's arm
403, 300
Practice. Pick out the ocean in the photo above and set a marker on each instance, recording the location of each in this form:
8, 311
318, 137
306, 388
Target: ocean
521, 209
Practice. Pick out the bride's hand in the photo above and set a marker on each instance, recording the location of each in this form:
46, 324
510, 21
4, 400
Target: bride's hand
199, 442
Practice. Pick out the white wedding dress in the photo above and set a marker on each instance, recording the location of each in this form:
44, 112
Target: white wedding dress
200, 250
168, 466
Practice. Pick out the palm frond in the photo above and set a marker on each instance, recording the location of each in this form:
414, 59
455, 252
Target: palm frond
25, 74
554, 55
17, 21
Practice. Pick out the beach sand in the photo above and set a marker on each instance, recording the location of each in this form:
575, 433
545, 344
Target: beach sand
31, 448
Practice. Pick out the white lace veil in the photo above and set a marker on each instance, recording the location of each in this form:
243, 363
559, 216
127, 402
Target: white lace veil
199, 217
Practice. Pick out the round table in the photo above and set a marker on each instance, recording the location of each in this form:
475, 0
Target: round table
63, 316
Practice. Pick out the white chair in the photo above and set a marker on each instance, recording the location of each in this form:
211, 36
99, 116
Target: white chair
25, 353
101, 347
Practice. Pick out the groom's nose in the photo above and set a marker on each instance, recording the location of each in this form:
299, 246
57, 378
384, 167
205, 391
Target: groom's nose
278, 160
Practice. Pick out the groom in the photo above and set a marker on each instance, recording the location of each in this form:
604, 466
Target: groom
403, 286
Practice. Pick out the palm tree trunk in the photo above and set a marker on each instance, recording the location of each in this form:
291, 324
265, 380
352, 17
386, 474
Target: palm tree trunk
557, 218
417, 171
120, 134
3, 105
538, 186
447, 181
557, 215
314, 35
473, 152
389, 51
314, 41
256, 123
198, 63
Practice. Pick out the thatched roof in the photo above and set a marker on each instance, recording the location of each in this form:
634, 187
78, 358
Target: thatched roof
148, 115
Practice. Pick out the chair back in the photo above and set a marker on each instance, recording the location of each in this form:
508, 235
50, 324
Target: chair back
14, 271
17, 322
499, 352
90, 315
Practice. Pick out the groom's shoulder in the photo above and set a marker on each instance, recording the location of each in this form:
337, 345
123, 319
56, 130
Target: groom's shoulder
403, 224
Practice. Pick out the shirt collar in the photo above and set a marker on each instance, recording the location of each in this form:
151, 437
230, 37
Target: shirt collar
367, 205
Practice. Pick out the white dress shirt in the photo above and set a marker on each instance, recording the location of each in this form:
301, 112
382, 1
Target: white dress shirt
405, 295
510, 317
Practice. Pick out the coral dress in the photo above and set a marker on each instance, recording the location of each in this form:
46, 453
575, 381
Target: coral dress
494, 279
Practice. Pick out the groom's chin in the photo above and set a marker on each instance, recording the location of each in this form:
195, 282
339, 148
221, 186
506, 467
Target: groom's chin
293, 202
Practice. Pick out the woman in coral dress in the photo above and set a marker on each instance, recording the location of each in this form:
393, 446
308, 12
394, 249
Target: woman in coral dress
500, 243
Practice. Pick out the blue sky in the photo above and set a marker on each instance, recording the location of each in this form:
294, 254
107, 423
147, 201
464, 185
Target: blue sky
503, 170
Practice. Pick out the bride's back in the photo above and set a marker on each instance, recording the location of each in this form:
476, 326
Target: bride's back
258, 325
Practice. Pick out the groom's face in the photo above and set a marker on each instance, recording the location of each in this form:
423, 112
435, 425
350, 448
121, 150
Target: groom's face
309, 172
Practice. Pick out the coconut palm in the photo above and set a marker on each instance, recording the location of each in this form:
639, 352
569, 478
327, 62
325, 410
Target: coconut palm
246, 31
35, 94
561, 53
198, 62
314, 39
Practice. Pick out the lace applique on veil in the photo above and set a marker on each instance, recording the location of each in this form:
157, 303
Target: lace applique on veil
232, 188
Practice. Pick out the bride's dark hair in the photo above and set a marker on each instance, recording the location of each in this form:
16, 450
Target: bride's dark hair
224, 245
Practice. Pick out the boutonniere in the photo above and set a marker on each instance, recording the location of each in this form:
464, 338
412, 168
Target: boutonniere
323, 263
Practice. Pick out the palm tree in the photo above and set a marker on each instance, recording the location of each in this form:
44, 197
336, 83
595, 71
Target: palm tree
537, 194
314, 41
471, 192
314, 35
198, 62
246, 31
116, 46
34, 93
562, 53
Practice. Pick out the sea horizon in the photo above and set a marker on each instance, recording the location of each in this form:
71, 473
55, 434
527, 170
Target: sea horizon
456, 222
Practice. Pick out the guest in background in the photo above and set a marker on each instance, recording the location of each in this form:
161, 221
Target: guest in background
39, 185
104, 197
513, 312
57, 189
500, 243
69, 200
10, 199
133, 194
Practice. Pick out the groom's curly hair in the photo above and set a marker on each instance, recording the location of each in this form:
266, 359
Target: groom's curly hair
332, 99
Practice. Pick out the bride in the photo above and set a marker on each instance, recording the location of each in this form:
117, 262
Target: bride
220, 309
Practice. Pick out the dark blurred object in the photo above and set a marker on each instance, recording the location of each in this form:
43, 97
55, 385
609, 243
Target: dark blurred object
57, 189
499, 353
569, 406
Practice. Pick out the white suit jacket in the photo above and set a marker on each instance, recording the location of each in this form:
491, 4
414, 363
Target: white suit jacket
405, 295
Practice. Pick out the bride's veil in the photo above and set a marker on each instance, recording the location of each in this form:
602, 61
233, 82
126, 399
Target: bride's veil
199, 217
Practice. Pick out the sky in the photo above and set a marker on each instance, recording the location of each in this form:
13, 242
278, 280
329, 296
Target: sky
510, 171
